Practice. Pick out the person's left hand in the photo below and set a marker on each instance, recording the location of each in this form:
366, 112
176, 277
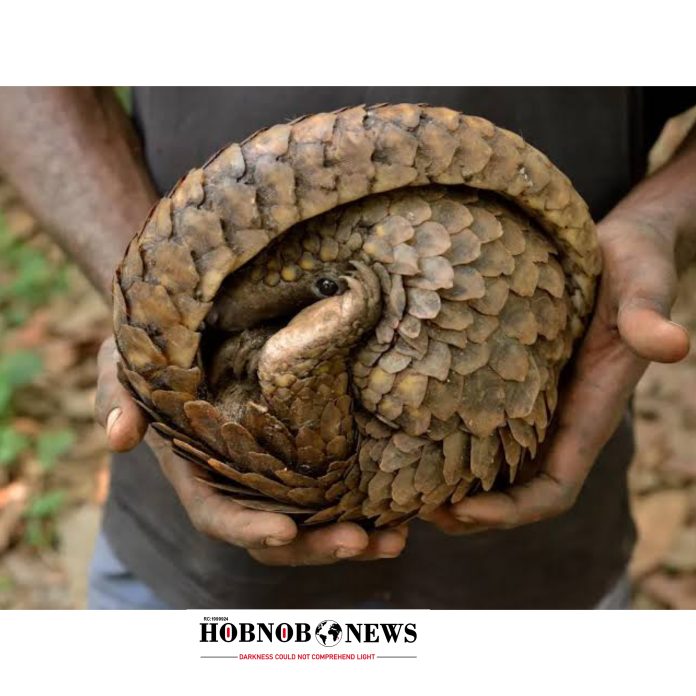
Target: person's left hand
630, 328
271, 538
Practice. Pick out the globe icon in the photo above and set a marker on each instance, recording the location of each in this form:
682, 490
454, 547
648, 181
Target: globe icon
328, 633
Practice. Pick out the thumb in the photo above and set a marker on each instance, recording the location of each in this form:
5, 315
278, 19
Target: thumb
640, 275
644, 321
114, 407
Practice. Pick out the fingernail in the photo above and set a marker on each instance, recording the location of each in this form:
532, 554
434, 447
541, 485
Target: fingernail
463, 517
275, 541
344, 552
677, 324
111, 419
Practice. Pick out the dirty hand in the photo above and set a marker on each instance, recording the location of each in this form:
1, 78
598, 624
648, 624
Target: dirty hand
270, 538
630, 328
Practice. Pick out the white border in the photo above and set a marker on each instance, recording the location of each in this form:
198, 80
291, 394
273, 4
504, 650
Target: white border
429, 42
559, 653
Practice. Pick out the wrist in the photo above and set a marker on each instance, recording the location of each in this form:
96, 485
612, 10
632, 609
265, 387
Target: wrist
662, 206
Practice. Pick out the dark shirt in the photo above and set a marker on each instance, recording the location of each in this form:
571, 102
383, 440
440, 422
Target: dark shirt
599, 138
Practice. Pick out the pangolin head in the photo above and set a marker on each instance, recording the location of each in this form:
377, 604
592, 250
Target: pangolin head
280, 281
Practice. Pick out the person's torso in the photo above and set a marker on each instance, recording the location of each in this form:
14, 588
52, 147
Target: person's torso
593, 135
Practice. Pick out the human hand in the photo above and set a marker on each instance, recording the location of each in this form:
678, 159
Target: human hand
271, 538
630, 328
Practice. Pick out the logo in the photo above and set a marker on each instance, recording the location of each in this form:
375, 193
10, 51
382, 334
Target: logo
328, 633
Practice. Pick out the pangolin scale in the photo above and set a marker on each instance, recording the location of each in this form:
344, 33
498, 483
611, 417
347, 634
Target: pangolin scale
358, 315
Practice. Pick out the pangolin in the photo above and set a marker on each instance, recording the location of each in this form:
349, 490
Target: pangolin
359, 315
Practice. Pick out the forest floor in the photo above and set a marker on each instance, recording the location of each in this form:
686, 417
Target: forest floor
54, 465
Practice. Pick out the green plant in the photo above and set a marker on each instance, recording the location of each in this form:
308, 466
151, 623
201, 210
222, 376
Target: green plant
12, 444
40, 531
6, 583
125, 96
29, 279
50, 445
16, 370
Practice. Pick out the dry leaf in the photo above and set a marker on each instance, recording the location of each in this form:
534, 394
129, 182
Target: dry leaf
658, 518
682, 557
677, 592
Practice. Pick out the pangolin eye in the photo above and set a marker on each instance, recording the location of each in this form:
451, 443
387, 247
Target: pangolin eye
326, 286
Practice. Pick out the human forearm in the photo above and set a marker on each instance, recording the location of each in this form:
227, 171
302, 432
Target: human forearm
73, 156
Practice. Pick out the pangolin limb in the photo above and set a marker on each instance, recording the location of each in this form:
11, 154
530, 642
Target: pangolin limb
359, 315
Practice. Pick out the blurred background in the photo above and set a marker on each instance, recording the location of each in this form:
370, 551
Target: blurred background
54, 472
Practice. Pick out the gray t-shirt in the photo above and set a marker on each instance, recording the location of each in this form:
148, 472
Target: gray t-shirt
597, 137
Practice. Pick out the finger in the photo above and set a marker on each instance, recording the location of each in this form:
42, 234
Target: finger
217, 515
114, 407
542, 498
446, 522
384, 544
318, 546
647, 330
641, 268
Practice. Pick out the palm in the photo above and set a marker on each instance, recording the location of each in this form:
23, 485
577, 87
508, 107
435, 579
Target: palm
630, 327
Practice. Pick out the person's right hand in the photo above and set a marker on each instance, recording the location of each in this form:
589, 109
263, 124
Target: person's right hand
271, 538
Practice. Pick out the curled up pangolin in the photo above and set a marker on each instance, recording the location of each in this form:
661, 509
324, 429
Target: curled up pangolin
359, 315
